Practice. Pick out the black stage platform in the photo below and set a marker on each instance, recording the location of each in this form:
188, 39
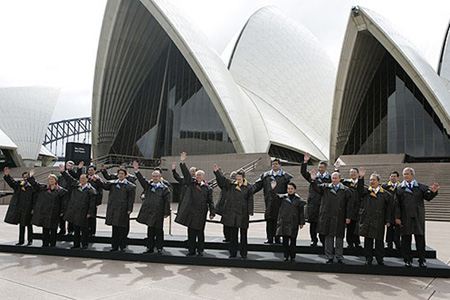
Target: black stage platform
259, 257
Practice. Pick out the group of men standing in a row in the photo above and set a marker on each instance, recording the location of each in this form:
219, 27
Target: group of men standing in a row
335, 206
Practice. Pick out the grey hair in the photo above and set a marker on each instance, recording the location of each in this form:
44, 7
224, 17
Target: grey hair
411, 170
376, 175
339, 174
156, 172
200, 172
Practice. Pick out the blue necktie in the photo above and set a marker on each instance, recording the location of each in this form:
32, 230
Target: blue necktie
336, 187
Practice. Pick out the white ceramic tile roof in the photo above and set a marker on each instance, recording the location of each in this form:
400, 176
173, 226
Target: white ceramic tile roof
445, 57
24, 117
6, 142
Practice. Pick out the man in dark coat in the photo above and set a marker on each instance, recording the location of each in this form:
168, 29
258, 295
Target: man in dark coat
237, 209
374, 216
392, 232
80, 207
291, 217
219, 209
120, 205
333, 214
108, 176
410, 214
181, 180
272, 206
48, 208
154, 209
353, 204
194, 207
98, 198
313, 206
19, 209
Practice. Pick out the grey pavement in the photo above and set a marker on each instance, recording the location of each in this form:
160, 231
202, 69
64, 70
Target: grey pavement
47, 277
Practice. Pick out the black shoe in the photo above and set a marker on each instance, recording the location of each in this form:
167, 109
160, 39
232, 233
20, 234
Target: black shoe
422, 264
313, 244
381, 264
368, 263
85, 247
329, 261
408, 264
190, 254
268, 242
159, 252
244, 256
30, 243
350, 247
122, 249
148, 251
70, 233
75, 247
232, 256
341, 262
19, 244
277, 241
286, 259
226, 241
61, 232
113, 250
200, 253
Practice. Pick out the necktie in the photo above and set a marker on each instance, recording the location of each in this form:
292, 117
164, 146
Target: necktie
410, 186
336, 187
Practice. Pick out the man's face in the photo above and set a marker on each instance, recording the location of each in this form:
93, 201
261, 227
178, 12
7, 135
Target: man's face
408, 176
121, 175
156, 177
83, 179
25, 176
322, 169
335, 178
122, 166
353, 174
374, 183
290, 190
51, 180
91, 172
192, 170
199, 176
69, 166
393, 178
239, 179
276, 166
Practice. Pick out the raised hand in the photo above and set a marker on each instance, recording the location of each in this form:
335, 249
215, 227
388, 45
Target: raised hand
313, 174
337, 164
174, 165
435, 187
61, 167
103, 167
183, 157
6, 169
273, 184
398, 221
31, 172
136, 166
306, 157
215, 167
211, 217
362, 172
81, 164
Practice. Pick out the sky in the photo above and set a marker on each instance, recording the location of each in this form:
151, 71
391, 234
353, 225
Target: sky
54, 42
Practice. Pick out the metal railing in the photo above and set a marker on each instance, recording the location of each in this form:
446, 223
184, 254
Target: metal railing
117, 159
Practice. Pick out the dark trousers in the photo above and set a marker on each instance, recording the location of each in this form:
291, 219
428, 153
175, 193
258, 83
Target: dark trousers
226, 233
119, 237
155, 237
62, 226
313, 233
233, 248
406, 247
368, 249
393, 236
22, 233
352, 238
271, 229
81, 234
196, 240
49, 237
93, 223
289, 246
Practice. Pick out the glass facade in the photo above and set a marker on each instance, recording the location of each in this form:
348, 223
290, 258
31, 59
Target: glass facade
171, 113
396, 118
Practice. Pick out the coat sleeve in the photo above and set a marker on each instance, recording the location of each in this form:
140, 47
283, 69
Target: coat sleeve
11, 182
397, 209
106, 175
144, 183
304, 172
69, 179
75, 174
428, 194
348, 199
167, 202
318, 188
104, 185
250, 202
177, 176
221, 180
92, 201
131, 194
186, 174
388, 208
301, 212
212, 211
360, 187
258, 185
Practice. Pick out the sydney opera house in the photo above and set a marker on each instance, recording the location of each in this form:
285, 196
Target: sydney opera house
159, 88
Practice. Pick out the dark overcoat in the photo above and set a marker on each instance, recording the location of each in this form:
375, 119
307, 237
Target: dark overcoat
238, 205
197, 200
48, 205
291, 215
375, 212
128, 177
156, 203
81, 202
272, 205
410, 208
313, 206
355, 201
390, 188
21, 204
333, 209
120, 201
